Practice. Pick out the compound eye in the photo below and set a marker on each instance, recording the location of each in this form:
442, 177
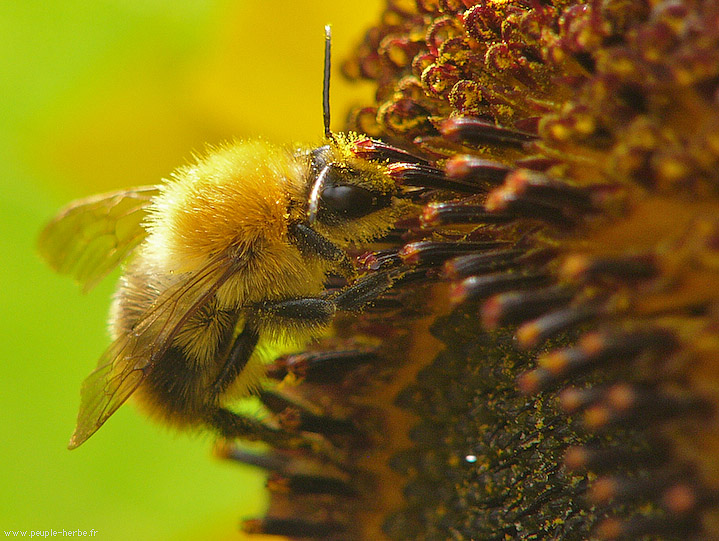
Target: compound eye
348, 201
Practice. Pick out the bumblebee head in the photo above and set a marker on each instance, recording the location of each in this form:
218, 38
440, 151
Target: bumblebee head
350, 199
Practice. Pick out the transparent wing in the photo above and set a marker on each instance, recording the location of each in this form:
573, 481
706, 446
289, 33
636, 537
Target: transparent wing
89, 237
129, 359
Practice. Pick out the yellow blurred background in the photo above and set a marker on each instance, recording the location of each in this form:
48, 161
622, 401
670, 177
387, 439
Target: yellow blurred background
109, 94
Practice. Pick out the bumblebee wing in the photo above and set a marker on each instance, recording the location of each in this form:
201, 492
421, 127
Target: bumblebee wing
89, 237
130, 358
103, 391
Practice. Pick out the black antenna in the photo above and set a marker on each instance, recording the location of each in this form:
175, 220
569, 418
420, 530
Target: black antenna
326, 82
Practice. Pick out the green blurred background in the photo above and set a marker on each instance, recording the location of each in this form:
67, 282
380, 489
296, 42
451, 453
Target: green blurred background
109, 94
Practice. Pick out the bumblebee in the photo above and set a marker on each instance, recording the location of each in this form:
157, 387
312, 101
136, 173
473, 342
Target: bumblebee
229, 253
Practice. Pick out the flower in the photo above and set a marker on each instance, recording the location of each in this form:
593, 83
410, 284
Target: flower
569, 154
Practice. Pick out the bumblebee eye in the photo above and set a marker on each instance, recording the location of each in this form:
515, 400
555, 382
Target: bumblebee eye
348, 201
335, 196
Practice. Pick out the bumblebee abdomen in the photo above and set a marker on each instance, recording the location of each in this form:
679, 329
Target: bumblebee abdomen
177, 385
175, 389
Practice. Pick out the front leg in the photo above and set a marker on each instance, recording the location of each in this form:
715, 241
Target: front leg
310, 242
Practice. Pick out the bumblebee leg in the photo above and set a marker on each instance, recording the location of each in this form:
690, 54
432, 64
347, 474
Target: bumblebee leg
231, 426
313, 312
305, 312
236, 359
310, 242
363, 291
